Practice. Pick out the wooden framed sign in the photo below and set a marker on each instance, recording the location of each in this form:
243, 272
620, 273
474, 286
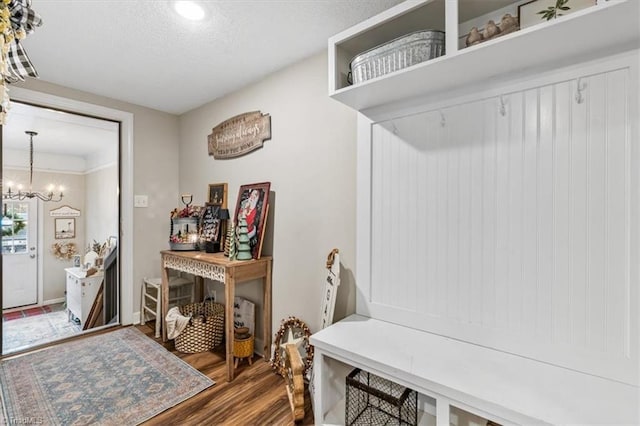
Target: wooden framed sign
239, 135
330, 288
64, 211
331, 283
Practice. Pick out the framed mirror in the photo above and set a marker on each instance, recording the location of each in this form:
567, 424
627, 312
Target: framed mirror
292, 330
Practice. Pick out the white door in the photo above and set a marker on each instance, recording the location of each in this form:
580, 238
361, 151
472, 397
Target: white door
19, 253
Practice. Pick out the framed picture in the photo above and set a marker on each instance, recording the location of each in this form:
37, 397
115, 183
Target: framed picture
253, 203
65, 228
528, 12
218, 194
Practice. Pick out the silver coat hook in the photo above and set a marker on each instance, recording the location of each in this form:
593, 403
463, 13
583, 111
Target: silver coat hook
443, 121
580, 88
503, 108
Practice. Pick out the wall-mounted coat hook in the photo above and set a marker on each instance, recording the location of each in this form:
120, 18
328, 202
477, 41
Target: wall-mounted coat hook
503, 107
443, 121
580, 88
394, 129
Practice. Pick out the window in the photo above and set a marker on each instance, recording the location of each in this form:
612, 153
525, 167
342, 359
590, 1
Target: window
15, 218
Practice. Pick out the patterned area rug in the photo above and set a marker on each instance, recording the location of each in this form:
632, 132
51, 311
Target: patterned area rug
116, 378
27, 332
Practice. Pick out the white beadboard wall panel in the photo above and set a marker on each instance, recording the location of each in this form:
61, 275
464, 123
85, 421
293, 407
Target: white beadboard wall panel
515, 214
507, 221
560, 290
617, 320
545, 208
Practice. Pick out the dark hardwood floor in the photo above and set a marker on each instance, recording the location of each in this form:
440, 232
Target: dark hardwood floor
257, 395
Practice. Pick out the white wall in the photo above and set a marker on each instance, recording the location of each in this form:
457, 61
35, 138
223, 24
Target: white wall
101, 216
310, 162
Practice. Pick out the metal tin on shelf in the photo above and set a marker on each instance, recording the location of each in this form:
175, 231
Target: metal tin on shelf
397, 54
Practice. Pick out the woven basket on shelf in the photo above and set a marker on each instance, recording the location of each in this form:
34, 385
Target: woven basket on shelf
205, 329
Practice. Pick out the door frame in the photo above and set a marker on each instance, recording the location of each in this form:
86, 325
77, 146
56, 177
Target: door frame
125, 240
40, 253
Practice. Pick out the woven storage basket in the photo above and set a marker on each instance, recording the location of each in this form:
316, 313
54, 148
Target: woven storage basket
205, 329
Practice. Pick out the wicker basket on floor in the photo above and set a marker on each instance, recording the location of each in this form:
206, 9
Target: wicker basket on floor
205, 329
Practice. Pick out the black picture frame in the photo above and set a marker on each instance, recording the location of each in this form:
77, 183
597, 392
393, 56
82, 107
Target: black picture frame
218, 194
65, 228
211, 227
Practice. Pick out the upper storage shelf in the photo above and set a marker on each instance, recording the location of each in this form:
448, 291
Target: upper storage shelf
605, 28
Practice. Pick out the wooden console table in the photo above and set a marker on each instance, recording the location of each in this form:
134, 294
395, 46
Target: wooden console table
216, 266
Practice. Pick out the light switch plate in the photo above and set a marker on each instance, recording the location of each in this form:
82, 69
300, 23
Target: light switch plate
140, 201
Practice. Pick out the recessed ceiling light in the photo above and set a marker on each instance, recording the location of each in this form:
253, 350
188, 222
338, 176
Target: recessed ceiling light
189, 9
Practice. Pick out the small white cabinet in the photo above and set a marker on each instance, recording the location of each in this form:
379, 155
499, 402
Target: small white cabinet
81, 292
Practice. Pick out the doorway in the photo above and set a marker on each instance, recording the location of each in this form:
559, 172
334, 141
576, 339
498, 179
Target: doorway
19, 253
96, 207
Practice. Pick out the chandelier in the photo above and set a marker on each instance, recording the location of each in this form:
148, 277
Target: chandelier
21, 195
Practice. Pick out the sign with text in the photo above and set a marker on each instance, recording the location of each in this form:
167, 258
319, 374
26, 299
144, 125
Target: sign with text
239, 135
64, 211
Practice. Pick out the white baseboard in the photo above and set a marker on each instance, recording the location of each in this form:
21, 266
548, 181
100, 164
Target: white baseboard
53, 301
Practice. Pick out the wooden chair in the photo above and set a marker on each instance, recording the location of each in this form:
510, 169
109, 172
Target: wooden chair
151, 298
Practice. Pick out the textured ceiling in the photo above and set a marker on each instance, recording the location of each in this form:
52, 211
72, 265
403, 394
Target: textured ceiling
142, 52
58, 132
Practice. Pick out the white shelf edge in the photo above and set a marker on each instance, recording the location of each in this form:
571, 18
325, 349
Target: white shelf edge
381, 18
526, 49
335, 416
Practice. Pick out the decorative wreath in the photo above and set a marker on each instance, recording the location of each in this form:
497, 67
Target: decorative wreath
64, 251
292, 330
